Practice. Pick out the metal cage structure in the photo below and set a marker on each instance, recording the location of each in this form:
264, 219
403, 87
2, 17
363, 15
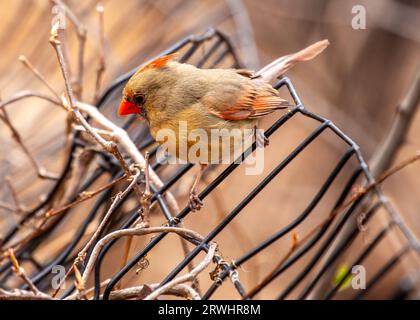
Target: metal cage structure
220, 51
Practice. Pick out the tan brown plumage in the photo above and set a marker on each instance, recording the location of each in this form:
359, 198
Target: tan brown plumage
167, 93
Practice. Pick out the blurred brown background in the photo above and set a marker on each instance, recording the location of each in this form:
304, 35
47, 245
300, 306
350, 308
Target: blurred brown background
357, 83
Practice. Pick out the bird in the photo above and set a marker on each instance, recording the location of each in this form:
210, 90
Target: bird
167, 93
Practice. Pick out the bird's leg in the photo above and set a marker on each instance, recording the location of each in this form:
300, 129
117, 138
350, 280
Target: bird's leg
194, 202
260, 138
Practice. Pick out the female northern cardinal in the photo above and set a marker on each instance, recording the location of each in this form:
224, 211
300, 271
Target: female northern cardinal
166, 92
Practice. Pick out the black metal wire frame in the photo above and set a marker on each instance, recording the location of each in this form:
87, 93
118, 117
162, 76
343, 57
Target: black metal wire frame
220, 48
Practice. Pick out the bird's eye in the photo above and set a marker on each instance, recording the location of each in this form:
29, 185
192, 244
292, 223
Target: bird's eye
139, 99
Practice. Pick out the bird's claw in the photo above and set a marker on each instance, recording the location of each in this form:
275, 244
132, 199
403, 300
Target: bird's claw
194, 202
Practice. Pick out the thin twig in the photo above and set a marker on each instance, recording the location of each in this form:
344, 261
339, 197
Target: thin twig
140, 292
41, 172
122, 138
22, 295
406, 111
71, 106
137, 231
82, 254
190, 276
81, 36
70, 103
245, 32
7, 206
19, 207
118, 197
20, 272
102, 132
126, 254
83, 197
86, 292
295, 244
39, 75
79, 283
360, 192
77, 171
147, 194
29, 94
145, 216
101, 65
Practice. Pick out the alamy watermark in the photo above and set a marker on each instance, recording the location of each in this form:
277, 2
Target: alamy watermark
358, 281
358, 22
57, 281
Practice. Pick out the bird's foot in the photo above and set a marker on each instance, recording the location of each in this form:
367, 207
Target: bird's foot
260, 138
194, 202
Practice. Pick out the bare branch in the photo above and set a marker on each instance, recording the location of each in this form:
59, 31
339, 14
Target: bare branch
86, 292
82, 254
102, 132
29, 94
22, 295
137, 231
20, 272
101, 65
7, 206
118, 197
122, 138
71, 106
83, 197
41, 171
140, 292
19, 207
406, 111
190, 276
147, 194
81, 36
145, 203
77, 171
79, 283
39, 75
80, 29
245, 33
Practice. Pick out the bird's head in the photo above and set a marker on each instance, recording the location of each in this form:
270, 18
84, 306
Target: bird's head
142, 90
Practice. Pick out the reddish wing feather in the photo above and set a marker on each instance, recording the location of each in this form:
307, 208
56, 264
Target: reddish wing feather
252, 103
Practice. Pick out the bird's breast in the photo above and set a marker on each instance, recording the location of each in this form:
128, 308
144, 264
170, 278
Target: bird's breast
206, 140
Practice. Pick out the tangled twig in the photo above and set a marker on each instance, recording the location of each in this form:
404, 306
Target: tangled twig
20, 272
190, 276
137, 231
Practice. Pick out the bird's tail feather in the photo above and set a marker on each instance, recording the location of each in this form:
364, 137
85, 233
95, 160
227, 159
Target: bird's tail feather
279, 66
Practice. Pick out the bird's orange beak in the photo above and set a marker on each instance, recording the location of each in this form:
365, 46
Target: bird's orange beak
127, 107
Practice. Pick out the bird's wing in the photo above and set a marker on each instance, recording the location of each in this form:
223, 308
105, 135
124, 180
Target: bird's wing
245, 72
249, 100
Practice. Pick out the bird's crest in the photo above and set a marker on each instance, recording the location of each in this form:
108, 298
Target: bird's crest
159, 62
